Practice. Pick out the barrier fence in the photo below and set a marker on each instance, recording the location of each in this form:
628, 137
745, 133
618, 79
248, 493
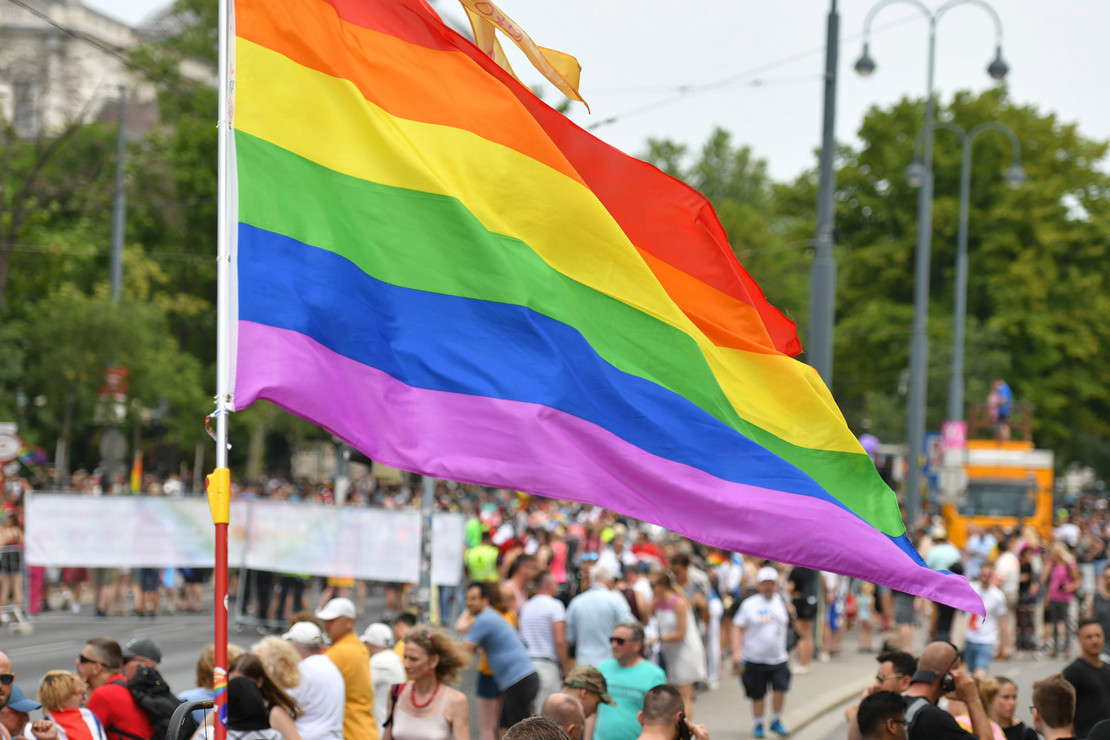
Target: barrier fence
278, 536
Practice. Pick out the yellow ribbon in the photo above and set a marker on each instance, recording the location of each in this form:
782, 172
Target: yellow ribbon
562, 70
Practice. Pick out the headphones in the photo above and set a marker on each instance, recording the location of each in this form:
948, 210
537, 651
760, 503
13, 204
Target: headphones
948, 683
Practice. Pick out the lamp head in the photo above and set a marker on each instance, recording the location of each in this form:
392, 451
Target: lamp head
915, 174
1015, 176
998, 68
865, 65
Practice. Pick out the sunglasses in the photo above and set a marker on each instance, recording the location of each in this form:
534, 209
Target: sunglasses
880, 677
6, 679
82, 659
617, 640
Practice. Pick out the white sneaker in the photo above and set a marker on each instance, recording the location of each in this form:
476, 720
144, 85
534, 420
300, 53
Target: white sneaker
801, 670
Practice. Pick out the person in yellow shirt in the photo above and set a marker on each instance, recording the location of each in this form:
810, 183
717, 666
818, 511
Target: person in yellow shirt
353, 661
481, 561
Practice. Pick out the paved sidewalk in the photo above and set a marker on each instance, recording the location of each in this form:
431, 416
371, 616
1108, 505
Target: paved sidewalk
727, 713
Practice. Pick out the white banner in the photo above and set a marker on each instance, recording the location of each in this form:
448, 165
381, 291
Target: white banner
278, 536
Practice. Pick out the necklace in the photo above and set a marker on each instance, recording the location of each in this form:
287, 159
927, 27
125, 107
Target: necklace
426, 701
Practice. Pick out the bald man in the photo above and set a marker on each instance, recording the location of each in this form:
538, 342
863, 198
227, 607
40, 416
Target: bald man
940, 673
567, 712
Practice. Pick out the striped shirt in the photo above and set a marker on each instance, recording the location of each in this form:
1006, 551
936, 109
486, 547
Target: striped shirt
537, 619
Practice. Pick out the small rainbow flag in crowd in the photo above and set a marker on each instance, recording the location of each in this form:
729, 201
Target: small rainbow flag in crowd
32, 455
452, 277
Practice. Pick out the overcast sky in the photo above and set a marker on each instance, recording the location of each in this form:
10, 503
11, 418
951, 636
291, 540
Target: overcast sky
677, 70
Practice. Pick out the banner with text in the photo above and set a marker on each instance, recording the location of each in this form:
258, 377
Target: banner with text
278, 536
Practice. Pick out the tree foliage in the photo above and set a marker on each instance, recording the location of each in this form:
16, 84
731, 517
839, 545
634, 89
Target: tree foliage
1037, 284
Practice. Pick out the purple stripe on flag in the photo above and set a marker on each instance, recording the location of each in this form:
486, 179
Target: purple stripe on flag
538, 450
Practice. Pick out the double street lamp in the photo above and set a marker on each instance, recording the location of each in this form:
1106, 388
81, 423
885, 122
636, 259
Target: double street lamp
919, 347
1014, 176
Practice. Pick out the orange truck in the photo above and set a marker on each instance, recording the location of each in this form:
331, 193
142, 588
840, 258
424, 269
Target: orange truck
998, 483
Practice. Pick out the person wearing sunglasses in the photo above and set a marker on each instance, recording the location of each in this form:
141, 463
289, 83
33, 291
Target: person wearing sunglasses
895, 669
7, 679
628, 678
99, 663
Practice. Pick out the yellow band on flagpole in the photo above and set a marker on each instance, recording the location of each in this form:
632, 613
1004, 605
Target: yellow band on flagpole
219, 495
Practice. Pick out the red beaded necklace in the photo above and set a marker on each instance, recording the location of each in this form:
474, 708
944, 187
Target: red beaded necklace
428, 700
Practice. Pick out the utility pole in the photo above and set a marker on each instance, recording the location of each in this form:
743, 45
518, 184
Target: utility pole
822, 276
119, 201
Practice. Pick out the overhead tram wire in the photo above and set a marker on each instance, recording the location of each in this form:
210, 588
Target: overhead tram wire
685, 91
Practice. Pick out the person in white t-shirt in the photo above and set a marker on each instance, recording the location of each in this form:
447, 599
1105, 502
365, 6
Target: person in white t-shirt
982, 632
1007, 570
759, 649
322, 693
544, 631
386, 668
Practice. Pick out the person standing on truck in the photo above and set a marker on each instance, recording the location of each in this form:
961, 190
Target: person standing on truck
1001, 405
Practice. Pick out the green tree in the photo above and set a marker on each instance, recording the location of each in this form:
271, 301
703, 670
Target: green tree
72, 338
1037, 287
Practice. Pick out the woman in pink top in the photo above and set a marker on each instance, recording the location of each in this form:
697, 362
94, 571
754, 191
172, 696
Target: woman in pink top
1062, 580
426, 708
558, 562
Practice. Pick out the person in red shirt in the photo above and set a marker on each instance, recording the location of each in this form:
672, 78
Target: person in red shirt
99, 664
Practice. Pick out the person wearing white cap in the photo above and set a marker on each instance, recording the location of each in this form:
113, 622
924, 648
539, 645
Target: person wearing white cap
386, 668
353, 661
321, 693
759, 653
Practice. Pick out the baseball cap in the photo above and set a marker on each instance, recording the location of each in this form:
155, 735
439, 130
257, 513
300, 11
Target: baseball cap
142, 647
337, 608
378, 635
767, 574
589, 678
20, 703
304, 633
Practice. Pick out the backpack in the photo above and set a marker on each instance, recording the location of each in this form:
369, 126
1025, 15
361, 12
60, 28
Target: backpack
151, 692
915, 705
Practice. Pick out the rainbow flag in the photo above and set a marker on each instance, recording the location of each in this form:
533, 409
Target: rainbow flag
448, 274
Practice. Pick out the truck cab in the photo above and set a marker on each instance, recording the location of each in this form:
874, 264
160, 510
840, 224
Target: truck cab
1000, 483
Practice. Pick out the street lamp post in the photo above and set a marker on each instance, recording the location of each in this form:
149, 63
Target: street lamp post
1015, 176
919, 347
822, 281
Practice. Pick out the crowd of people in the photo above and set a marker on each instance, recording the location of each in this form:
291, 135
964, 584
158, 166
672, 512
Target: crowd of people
574, 610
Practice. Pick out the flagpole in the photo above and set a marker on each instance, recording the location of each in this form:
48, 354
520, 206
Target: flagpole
219, 483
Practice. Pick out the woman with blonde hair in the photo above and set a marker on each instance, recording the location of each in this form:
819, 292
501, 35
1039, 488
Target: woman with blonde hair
61, 694
1061, 581
1003, 712
206, 678
280, 660
425, 708
988, 694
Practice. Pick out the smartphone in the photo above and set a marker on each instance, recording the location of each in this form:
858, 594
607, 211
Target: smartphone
683, 728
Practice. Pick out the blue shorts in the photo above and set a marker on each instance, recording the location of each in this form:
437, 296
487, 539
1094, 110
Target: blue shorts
487, 687
978, 655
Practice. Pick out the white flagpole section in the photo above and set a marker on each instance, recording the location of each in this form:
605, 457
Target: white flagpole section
223, 240
219, 483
